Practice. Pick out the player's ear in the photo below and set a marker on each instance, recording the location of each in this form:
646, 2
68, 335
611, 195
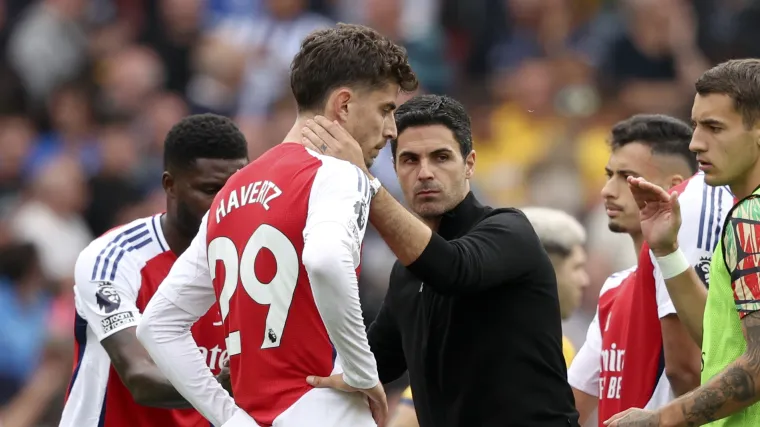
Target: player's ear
675, 180
167, 181
339, 104
469, 165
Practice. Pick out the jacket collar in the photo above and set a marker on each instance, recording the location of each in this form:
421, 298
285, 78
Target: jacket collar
459, 220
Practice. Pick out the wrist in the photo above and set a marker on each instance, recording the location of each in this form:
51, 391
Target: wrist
672, 264
374, 185
665, 250
671, 416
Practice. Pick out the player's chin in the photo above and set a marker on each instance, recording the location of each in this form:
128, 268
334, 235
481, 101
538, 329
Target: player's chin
428, 209
616, 226
713, 178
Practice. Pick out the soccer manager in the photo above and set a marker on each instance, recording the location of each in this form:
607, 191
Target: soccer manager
475, 318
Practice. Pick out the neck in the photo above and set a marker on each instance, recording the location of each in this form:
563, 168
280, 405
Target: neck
177, 241
746, 185
638, 242
295, 135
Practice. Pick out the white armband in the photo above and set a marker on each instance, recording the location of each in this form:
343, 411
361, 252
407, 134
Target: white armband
673, 264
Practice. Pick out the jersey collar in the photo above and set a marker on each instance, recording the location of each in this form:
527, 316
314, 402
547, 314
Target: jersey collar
459, 220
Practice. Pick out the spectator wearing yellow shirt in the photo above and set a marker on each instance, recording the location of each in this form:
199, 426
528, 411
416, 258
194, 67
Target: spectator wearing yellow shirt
563, 238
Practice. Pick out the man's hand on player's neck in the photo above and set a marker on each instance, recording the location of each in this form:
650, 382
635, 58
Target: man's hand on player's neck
330, 138
405, 234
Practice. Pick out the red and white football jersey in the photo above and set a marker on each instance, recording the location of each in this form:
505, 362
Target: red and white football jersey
622, 361
258, 255
115, 277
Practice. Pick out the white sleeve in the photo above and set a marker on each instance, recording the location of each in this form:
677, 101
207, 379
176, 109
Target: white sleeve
585, 368
182, 298
106, 282
337, 217
188, 285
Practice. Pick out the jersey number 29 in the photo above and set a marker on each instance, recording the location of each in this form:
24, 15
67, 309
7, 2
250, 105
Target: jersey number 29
277, 294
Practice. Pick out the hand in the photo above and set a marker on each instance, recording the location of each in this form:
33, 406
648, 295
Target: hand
659, 213
224, 377
331, 139
634, 417
378, 402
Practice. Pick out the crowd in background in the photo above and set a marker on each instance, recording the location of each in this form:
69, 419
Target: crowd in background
89, 89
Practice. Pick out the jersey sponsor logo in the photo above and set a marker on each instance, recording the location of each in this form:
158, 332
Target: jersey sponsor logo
611, 380
107, 297
215, 357
116, 321
703, 269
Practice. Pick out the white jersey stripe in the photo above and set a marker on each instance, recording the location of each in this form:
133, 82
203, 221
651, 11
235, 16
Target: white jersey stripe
135, 242
159, 236
115, 240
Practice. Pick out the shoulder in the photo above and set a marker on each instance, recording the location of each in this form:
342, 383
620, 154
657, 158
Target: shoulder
125, 247
508, 218
741, 228
337, 170
698, 197
339, 179
748, 209
615, 279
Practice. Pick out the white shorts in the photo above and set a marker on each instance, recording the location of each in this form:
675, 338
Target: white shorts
322, 407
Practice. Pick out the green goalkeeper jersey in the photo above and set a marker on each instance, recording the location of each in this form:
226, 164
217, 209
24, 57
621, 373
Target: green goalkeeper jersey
734, 292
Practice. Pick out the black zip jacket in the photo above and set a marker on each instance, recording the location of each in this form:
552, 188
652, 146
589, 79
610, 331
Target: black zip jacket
476, 321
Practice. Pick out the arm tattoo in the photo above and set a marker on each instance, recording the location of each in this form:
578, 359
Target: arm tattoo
735, 386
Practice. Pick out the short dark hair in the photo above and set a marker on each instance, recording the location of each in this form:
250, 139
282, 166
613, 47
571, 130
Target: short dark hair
740, 80
203, 136
347, 55
662, 134
423, 110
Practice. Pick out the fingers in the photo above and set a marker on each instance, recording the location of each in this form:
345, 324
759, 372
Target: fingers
674, 205
319, 382
333, 128
645, 192
379, 412
617, 417
312, 141
324, 128
317, 135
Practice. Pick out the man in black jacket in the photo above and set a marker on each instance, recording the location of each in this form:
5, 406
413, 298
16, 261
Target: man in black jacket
472, 310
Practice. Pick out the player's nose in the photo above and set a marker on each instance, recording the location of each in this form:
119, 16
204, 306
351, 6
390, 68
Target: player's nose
697, 144
608, 191
389, 130
425, 172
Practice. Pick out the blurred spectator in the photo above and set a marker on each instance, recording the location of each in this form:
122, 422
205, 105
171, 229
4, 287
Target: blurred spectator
51, 218
16, 143
71, 118
23, 314
653, 66
129, 78
49, 45
113, 188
